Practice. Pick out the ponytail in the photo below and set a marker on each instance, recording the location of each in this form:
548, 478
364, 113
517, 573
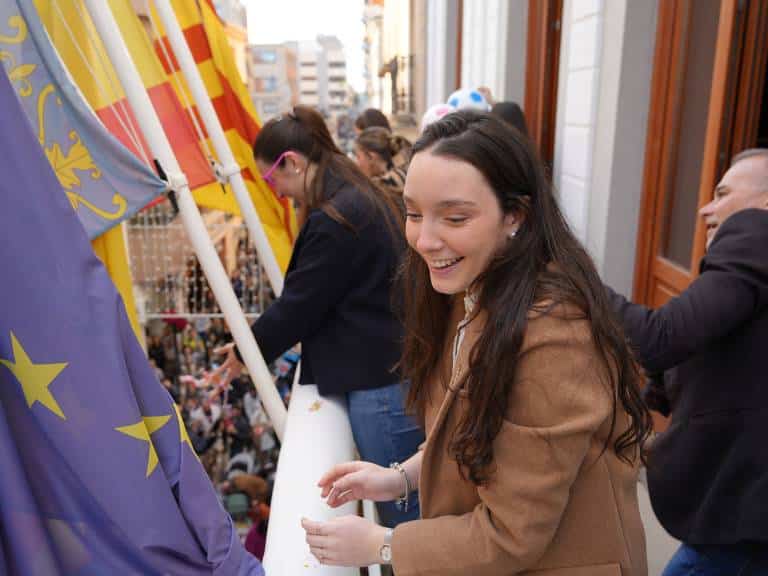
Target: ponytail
382, 142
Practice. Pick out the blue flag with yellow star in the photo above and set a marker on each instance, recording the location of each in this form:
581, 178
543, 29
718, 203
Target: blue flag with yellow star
97, 475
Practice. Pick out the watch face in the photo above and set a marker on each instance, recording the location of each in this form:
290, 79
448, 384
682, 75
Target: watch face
386, 553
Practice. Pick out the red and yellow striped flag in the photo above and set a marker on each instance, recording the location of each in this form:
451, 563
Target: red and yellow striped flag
206, 38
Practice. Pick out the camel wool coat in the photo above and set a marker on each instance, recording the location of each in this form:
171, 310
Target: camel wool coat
558, 504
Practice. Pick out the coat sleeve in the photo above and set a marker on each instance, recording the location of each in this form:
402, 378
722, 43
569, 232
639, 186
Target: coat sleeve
732, 286
557, 405
317, 282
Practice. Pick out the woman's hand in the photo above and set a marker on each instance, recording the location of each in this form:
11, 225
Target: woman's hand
345, 541
360, 481
231, 367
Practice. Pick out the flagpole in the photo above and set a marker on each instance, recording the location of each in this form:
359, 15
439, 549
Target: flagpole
216, 133
150, 125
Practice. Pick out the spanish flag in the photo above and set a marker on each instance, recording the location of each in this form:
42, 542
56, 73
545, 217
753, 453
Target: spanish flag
205, 35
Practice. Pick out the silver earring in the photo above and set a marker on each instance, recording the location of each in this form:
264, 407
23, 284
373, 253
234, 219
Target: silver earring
512, 234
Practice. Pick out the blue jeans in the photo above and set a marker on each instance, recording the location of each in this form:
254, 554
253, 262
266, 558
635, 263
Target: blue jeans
384, 433
717, 561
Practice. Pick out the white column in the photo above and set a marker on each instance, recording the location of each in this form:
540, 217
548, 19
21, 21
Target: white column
318, 435
581, 44
439, 45
221, 145
603, 98
484, 58
150, 126
516, 49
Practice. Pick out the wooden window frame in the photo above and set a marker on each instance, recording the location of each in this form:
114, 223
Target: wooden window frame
541, 73
653, 272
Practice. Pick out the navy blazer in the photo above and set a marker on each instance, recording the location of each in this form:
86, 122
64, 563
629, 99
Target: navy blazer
336, 299
708, 473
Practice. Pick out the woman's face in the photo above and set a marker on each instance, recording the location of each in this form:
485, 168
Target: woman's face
453, 220
287, 179
366, 161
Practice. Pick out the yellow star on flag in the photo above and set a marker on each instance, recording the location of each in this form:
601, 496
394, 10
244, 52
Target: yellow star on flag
34, 378
142, 431
184, 436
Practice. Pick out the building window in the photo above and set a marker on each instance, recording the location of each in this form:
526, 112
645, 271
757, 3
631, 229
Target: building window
265, 56
265, 84
270, 108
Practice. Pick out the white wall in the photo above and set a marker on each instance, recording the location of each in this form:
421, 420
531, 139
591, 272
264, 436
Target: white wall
603, 99
516, 47
578, 89
442, 16
494, 36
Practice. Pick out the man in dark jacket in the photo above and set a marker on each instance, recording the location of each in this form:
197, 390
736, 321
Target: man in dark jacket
707, 353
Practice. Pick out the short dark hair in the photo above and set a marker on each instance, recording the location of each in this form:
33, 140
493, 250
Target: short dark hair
512, 114
372, 117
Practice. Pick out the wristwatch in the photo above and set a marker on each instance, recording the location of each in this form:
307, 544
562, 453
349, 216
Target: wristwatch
385, 551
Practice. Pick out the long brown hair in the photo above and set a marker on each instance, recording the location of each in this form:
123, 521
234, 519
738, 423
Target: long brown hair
544, 263
303, 130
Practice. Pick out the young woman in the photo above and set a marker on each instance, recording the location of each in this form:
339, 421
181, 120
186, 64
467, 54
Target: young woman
519, 373
383, 157
337, 295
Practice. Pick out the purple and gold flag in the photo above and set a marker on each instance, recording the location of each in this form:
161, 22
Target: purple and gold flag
97, 475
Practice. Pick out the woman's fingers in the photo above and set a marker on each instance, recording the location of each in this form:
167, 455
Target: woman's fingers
339, 497
337, 472
224, 349
316, 538
349, 487
343, 498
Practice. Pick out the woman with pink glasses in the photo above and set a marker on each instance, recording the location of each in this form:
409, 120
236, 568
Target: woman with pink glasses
336, 300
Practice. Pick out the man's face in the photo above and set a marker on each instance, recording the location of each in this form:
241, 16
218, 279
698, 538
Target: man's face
744, 185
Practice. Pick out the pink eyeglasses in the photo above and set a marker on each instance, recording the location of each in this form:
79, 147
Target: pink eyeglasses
267, 176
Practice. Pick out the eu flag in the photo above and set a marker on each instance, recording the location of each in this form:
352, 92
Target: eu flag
97, 475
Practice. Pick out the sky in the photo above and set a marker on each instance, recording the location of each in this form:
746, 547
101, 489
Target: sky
276, 21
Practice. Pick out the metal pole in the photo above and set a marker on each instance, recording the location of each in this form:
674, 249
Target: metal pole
213, 126
149, 123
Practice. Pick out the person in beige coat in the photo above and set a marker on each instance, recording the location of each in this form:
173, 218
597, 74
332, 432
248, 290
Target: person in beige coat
520, 373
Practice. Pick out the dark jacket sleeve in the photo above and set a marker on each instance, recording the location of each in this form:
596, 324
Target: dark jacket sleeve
655, 395
732, 286
317, 281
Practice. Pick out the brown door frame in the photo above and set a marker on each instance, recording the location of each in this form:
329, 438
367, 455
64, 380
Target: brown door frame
753, 50
653, 272
541, 73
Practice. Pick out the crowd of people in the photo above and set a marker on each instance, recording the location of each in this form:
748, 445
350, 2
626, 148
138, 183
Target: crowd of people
252, 294
226, 423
